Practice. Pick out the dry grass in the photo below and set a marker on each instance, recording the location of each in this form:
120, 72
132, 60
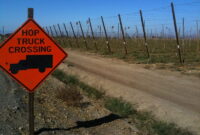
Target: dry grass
71, 96
72, 80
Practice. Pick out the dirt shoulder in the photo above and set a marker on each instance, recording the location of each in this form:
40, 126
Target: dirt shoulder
53, 115
171, 96
13, 110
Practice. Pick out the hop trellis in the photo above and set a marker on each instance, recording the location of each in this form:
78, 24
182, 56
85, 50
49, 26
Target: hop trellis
157, 25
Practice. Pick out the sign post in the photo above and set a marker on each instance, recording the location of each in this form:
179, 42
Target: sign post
29, 55
31, 94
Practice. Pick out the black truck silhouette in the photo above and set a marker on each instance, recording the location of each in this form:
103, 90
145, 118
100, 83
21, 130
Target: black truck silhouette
33, 61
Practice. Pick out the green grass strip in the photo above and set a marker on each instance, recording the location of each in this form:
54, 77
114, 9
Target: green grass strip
144, 121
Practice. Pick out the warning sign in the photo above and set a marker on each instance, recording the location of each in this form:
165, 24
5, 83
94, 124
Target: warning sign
30, 55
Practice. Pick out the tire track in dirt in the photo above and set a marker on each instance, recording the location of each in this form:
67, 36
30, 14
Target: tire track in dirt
178, 90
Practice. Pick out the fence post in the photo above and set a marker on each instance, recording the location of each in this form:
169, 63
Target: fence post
107, 42
60, 30
163, 31
197, 27
183, 23
86, 45
67, 35
95, 43
61, 34
56, 34
137, 34
51, 31
176, 31
118, 33
144, 33
183, 42
47, 30
122, 30
3, 29
100, 31
55, 30
74, 34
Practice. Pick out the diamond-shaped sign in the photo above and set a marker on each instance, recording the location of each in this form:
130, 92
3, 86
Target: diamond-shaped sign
30, 55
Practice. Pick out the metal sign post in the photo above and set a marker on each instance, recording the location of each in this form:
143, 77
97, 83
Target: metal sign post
31, 55
31, 94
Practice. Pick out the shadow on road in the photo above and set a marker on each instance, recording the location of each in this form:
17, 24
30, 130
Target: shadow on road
83, 124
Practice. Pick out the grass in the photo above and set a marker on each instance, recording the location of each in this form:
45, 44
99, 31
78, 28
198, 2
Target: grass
120, 107
144, 121
162, 51
67, 79
90, 91
70, 95
162, 128
72, 80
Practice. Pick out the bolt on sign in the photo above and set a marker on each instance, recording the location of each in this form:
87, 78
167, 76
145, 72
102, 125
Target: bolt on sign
29, 55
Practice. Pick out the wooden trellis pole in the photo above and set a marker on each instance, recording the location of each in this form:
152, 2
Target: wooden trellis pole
122, 30
176, 31
144, 33
105, 32
67, 34
74, 35
95, 43
86, 45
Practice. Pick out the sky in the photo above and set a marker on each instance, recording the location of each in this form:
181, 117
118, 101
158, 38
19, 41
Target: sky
48, 12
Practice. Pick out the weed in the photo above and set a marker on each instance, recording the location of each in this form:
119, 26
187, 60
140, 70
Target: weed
91, 92
68, 79
120, 107
148, 124
163, 128
70, 95
72, 80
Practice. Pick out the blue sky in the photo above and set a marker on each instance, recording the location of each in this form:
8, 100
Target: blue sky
47, 12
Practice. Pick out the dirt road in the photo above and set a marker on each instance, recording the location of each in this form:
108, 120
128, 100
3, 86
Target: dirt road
171, 96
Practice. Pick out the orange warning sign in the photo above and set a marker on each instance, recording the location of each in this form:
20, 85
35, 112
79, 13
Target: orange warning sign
30, 55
